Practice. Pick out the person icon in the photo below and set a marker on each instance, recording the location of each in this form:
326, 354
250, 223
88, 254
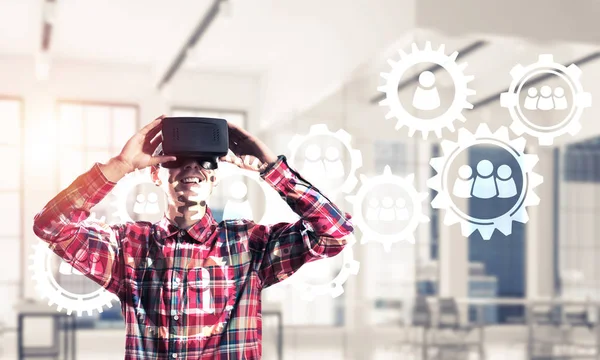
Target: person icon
199, 284
372, 210
92, 267
507, 187
560, 101
531, 101
313, 165
464, 184
388, 212
484, 186
152, 204
334, 169
401, 210
238, 207
546, 101
140, 204
426, 95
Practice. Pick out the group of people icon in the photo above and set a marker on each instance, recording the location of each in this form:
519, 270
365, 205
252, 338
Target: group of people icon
317, 166
93, 265
546, 98
426, 95
145, 205
484, 183
387, 209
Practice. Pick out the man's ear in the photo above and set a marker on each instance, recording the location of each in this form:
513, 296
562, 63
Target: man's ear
217, 177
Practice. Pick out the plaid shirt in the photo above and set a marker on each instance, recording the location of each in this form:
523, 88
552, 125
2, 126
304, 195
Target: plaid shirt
195, 293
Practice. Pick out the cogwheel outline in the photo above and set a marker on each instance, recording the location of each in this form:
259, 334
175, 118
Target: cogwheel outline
416, 198
461, 90
334, 287
124, 187
48, 288
341, 135
484, 136
228, 170
545, 65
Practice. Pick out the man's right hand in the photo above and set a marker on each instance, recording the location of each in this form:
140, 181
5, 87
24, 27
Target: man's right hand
137, 152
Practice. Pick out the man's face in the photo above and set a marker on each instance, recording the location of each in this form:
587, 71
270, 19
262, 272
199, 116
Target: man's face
189, 183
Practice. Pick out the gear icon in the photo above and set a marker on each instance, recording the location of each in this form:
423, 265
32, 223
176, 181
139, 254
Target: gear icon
93, 220
227, 170
342, 136
123, 189
415, 203
48, 287
334, 287
545, 66
461, 90
526, 197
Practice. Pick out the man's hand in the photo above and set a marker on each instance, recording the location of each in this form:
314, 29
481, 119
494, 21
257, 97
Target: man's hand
247, 151
137, 152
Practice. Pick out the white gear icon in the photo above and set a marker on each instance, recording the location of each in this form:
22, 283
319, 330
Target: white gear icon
545, 65
483, 136
93, 220
48, 287
461, 90
334, 287
124, 187
416, 199
228, 170
342, 136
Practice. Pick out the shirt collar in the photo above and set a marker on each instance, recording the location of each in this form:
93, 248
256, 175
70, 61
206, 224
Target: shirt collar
199, 231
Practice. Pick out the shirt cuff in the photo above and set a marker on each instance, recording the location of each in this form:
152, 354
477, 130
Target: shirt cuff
277, 172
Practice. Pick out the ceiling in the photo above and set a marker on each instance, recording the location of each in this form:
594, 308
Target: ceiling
132, 31
254, 36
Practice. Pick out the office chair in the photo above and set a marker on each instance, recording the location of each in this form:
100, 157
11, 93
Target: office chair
450, 334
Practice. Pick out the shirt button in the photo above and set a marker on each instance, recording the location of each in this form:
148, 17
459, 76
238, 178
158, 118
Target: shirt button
182, 232
174, 356
176, 317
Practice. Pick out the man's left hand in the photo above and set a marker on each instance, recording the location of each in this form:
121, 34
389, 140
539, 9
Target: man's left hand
247, 151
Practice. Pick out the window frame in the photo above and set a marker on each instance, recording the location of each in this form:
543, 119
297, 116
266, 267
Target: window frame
19, 283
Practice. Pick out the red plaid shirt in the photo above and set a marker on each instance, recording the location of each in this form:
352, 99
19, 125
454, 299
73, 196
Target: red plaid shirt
195, 293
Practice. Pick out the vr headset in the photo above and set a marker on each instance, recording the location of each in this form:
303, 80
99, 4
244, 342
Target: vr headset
203, 139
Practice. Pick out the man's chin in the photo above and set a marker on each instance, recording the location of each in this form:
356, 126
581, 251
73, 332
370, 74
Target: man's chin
191, 197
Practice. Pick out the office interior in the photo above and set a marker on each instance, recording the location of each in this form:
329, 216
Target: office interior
77, 79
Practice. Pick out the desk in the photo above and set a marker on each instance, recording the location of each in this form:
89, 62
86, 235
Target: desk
61, 323
530, 305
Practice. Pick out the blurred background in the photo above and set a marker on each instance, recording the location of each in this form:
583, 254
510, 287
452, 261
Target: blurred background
78, 78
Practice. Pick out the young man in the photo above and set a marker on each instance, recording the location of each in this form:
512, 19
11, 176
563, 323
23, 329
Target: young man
190, 288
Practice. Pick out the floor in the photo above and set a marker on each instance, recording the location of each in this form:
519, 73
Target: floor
502, 343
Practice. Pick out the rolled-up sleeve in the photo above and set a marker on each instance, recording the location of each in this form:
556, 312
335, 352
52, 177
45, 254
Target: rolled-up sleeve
322, 231
94, 249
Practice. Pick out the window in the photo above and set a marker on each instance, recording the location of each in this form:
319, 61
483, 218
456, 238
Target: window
578, 211
11, 214
497, 266
90, 133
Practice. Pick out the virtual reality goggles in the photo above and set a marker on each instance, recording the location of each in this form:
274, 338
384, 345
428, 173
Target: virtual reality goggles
199, 138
